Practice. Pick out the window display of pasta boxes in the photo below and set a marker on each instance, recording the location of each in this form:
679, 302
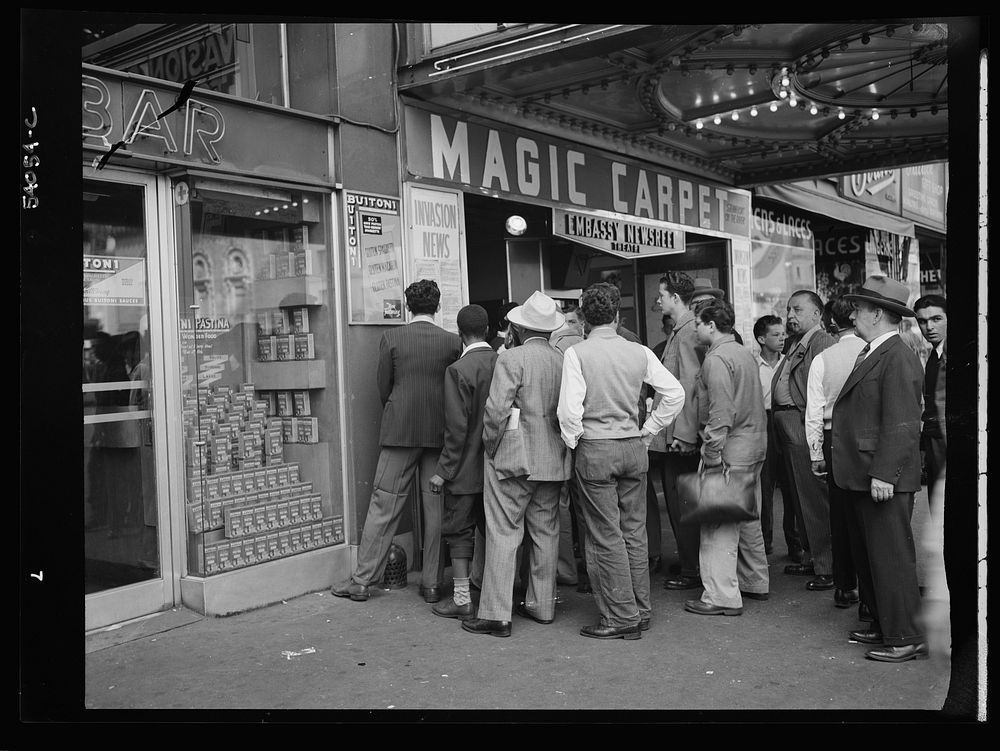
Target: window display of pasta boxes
227, 555
300, 430
244, 520
207, 488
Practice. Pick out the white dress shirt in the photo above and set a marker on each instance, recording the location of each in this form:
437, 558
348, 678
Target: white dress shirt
766, 374
827, 374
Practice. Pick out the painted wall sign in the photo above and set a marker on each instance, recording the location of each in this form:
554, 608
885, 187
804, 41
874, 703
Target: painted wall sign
375, 257
925, 197
436, 247
622, 236
524, 165
207, 129
878, 188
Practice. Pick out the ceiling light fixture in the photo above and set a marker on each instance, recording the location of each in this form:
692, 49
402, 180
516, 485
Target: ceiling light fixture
773, 107
717, 120
840, 114
753, 111
699, 125
736, 115
516, 225
813, 110
874, 114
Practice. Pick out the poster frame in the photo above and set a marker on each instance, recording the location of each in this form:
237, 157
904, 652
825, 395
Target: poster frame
399, 255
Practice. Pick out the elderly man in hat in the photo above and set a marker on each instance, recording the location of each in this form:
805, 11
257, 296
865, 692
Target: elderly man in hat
526, 464
875, 460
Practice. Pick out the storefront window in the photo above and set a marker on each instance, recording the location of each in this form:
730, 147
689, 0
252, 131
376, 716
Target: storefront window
257, 374
783, 257
233, 58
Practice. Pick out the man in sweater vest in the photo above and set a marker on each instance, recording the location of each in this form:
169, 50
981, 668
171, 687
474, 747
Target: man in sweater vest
598, 416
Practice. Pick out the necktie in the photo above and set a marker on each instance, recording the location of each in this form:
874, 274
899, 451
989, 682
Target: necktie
861, 356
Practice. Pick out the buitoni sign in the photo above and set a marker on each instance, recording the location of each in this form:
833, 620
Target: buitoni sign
524, 165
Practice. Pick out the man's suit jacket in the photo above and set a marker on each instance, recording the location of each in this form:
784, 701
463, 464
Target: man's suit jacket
527, 378
466, 388
682, 356
411, 364
876, 421
731, 405
797, 362
934, 414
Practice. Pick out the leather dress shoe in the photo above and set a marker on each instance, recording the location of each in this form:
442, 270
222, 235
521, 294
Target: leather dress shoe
601, 631
866, 637
865, 614
899, 654
449, 609
644, 624
484, 626
754, 595
820, 583
682, 582
705, 608
796, 556
800, 569
430, 594
357, 592
844, 598
523, 611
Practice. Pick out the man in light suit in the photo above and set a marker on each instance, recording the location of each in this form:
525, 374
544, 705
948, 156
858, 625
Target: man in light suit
733, 423
788, 403
875, 437
602, 379
932, 318
410, 378
526, 465
460, 467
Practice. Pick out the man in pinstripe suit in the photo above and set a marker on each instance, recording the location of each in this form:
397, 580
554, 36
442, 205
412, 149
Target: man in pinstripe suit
411, 366
526, 465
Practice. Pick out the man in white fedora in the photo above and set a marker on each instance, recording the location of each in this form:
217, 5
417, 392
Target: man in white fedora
526, 465
875, 460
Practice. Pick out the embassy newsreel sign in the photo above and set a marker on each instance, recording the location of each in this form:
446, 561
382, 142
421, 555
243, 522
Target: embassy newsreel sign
618, 235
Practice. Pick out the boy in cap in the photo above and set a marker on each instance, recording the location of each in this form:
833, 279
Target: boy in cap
460, 466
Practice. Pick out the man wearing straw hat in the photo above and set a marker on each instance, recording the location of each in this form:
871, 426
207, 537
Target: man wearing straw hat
875, 442
526, 464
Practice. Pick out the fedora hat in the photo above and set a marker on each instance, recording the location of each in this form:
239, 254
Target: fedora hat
539, 313
884, 292
703, 286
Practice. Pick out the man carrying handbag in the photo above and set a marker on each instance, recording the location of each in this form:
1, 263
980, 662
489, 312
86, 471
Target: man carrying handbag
733, 423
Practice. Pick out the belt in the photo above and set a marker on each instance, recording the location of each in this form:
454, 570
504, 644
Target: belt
783, 407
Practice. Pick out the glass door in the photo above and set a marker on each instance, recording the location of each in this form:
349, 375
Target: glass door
128, 563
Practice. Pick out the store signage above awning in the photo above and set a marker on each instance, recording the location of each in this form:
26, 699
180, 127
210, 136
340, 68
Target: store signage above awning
626, 237
878, 189
524, 165
206, 129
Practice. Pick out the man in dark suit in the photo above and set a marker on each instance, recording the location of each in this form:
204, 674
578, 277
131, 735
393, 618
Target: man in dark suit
460, 466
932, 318
788, 404
410, 377
875, 441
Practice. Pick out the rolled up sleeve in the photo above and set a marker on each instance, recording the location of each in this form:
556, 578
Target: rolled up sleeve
671, 393
572, 391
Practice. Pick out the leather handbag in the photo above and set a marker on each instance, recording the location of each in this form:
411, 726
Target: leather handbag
717, 495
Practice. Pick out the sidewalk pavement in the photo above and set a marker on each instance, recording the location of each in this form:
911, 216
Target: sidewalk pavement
391, 653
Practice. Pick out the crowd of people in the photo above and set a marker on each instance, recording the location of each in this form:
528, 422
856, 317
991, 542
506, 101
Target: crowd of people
536, 447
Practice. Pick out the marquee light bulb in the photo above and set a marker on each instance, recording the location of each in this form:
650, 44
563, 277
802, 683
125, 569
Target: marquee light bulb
753, 112
717, 120
774, 107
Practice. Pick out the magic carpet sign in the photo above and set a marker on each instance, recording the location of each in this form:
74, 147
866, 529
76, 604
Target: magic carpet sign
527, 166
